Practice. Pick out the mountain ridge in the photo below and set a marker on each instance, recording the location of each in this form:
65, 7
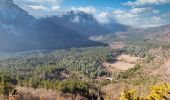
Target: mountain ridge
86, 24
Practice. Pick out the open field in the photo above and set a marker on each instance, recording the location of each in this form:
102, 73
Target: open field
118, 66
128, 59
122, 63
117, 45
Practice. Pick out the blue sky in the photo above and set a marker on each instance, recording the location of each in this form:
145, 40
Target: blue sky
138, 13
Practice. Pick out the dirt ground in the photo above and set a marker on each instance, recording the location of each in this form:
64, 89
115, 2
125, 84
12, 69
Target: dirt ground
118, 66
122, 63
128, 59
117, 45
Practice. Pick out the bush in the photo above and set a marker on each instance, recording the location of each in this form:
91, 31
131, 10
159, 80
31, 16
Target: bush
5, 85
129, 73
157, 92
74, 86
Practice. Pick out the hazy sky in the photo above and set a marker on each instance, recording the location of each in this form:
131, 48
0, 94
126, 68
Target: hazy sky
140, 13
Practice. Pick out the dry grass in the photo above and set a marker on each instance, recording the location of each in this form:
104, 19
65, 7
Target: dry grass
162, 71
118, 66
117, 45
43, 94
123, 63
128, 59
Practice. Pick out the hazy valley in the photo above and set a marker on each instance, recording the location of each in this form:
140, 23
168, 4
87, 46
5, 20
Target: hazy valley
75, 57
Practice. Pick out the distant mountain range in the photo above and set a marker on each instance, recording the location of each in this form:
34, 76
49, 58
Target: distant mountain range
20, 31
86, 24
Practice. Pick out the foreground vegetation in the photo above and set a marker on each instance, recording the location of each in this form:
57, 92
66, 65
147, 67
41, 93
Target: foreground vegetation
157, 92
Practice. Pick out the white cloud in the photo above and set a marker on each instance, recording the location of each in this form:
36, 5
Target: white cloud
103, 17
143, 10
118, 11
122, 13
138, 10
38, 7
55, 8
88, 9
156, 11
49, 1
146, 2
157, 19
45, 8
136, 17
153, 22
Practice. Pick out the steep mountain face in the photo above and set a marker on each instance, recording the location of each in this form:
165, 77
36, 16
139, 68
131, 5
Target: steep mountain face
13, 18
22, 32
86, 24
14, 23
54, 36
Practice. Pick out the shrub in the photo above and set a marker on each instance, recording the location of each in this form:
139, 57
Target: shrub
74, 86
157, 92
129, 73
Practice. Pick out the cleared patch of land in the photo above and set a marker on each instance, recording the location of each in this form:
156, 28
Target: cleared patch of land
128, 59
117, 66
122, 63
117, 45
